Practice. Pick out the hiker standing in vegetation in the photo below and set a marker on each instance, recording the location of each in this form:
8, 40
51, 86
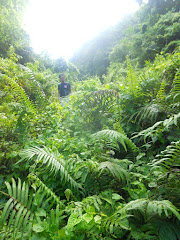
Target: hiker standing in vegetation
64, 88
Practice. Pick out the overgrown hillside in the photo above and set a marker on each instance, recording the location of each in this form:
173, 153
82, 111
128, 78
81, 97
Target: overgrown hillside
151, 30
106, 164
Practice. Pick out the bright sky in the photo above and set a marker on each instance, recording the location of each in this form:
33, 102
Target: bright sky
60, 27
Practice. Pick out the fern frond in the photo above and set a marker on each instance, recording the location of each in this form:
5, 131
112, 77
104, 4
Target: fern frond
173, 120
52, 164
119, 220
161, 93
115, 169
152, 208
24, 207
168, 230
100, 98
136, 204
113, 138
22, 96
36, 93
33, 178
131, 80
169, 157
122, 162
149, 113
99, 101
55, 217
93, 200
164, 125
176, 84
18, 209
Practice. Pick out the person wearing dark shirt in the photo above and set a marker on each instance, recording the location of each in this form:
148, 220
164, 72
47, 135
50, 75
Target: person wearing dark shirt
64, 88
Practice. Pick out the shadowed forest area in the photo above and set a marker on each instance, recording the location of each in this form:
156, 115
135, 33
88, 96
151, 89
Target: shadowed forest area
106, 165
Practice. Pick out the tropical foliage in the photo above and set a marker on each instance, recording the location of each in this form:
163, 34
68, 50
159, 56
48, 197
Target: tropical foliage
103, 165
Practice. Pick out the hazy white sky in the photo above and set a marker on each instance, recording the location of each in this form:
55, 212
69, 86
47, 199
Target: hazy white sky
60, 27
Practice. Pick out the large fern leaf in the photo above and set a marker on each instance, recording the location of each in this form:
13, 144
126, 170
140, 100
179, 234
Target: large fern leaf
33, 178
118, 220
115, 169
153, 208
21, 95
25, 207
159, 126
100, 99
113, 138
18, 211
170, 157
50, 163
149, 114
176, 84
33, 88
54, 218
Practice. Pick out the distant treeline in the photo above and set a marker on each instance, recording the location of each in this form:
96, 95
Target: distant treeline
154, 28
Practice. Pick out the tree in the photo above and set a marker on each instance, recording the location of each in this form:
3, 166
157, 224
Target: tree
163, 6
60, 65
12, 32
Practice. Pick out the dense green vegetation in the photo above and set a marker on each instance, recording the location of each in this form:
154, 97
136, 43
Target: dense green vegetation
106, 164
153, 29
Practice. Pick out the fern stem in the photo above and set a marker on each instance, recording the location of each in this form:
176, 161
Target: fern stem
6, 194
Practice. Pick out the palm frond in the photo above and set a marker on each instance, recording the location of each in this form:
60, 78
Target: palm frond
52, 164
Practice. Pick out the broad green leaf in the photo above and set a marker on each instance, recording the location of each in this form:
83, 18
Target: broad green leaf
116, 196
40, 212
90, 210
38, 227
97, 219
87, 217
73, 220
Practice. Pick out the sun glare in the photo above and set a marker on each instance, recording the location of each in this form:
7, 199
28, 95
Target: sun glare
59, 27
